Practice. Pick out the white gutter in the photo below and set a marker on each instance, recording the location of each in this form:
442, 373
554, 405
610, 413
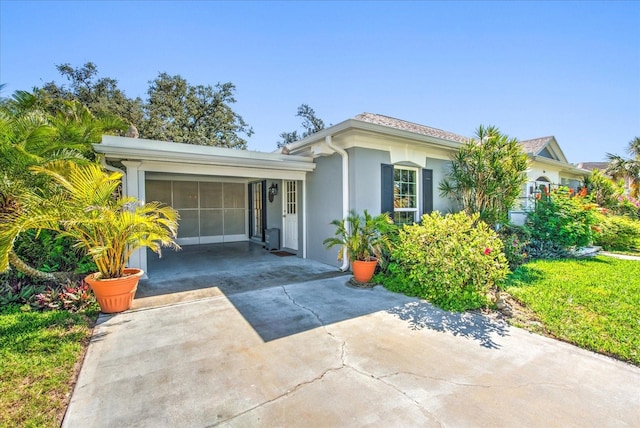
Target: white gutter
345, 192
105, 165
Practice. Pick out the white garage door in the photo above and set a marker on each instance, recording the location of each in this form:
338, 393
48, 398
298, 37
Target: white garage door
209, 211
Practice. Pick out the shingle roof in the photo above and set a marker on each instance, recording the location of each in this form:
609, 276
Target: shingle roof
391, 122
534, 146
590, 166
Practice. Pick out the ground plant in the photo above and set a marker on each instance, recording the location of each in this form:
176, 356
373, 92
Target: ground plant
452, 261
515, 239
563, 218
618, 233
39, 352
593, 303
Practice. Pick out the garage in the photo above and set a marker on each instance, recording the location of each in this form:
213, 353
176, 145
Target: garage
212, 209
222, 195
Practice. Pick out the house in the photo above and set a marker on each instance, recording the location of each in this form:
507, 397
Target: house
602, 166
548, 168
370, 162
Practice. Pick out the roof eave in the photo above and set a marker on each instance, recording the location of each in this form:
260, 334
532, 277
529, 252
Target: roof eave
564, 166
301, 145
117, 148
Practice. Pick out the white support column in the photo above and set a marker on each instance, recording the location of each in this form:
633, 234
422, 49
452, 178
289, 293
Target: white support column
135, 186
304, 218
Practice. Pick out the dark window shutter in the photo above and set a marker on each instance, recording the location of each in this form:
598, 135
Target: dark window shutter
386, 194
250, 196
264, 207
427, 191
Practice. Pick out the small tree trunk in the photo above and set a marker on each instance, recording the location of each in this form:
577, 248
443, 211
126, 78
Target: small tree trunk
16, 262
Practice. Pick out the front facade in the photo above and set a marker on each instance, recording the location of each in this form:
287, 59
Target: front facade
383, 164
370, 162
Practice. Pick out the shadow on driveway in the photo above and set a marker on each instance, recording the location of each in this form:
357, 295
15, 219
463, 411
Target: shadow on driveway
279, 312
421, 315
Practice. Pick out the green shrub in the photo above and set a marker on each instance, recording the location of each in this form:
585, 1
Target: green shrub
563, 219
50, 252
451, 260
515, 240
618, 233
628, 206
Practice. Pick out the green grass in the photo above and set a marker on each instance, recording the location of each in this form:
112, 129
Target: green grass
593, 303
38, 354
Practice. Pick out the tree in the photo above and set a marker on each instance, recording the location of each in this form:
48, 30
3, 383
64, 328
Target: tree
100, 95
174, 111
628, 169
31, 137
602, 190
177, 111
487, 175
311, 123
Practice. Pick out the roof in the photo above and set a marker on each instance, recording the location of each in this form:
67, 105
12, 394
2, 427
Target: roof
124, 148
392, 122
536, 145
590, 166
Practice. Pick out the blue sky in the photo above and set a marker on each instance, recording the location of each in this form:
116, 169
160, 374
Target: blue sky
568, 69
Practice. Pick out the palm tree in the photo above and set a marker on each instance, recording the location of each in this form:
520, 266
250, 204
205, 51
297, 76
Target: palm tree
30, 136
628, 169
108, 228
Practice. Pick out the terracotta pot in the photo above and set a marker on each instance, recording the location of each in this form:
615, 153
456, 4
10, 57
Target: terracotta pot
363, 270
115, 294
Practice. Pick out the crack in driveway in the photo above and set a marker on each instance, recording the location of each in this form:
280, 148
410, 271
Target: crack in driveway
343, 344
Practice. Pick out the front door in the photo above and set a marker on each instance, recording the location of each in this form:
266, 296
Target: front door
257, 219
290, 216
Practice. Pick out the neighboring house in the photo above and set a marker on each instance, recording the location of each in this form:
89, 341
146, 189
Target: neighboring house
602, 166
590, 166
370, 162
548, 169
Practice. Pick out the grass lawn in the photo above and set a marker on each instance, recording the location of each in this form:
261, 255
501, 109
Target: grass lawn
39, 352
593, 303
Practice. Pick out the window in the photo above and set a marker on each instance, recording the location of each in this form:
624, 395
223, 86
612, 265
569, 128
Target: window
405, 195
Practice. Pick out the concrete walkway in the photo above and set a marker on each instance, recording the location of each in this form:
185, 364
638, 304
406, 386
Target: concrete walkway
322, 354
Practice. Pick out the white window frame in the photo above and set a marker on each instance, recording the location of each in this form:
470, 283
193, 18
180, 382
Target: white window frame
418, 198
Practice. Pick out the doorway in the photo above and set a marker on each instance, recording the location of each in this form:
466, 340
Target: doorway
290, 215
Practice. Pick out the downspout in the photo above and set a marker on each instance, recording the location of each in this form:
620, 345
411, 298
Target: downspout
345, 192
105, 165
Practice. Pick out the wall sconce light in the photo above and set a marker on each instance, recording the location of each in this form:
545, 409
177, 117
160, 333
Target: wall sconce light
273, 191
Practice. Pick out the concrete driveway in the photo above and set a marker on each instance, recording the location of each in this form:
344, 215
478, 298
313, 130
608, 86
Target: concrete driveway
321, 353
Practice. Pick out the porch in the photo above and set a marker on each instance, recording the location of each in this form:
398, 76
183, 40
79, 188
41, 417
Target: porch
201, 271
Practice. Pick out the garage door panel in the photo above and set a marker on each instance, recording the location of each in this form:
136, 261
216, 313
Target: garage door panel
188, 224
209, 211
185, 194
234, 222
211, 222
210, 195
159, 191
234, 195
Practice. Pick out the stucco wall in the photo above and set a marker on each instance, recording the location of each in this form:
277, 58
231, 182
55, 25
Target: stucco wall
324, 204
274, 209
537, 170
440, 169
365, 181
364, 178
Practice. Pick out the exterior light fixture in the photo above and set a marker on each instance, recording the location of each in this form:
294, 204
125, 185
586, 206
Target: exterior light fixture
273, 191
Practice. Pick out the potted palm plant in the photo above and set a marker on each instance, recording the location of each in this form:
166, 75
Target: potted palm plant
107, 226
363, 238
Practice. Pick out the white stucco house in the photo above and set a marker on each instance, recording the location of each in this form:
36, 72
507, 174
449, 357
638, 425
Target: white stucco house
370, 162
